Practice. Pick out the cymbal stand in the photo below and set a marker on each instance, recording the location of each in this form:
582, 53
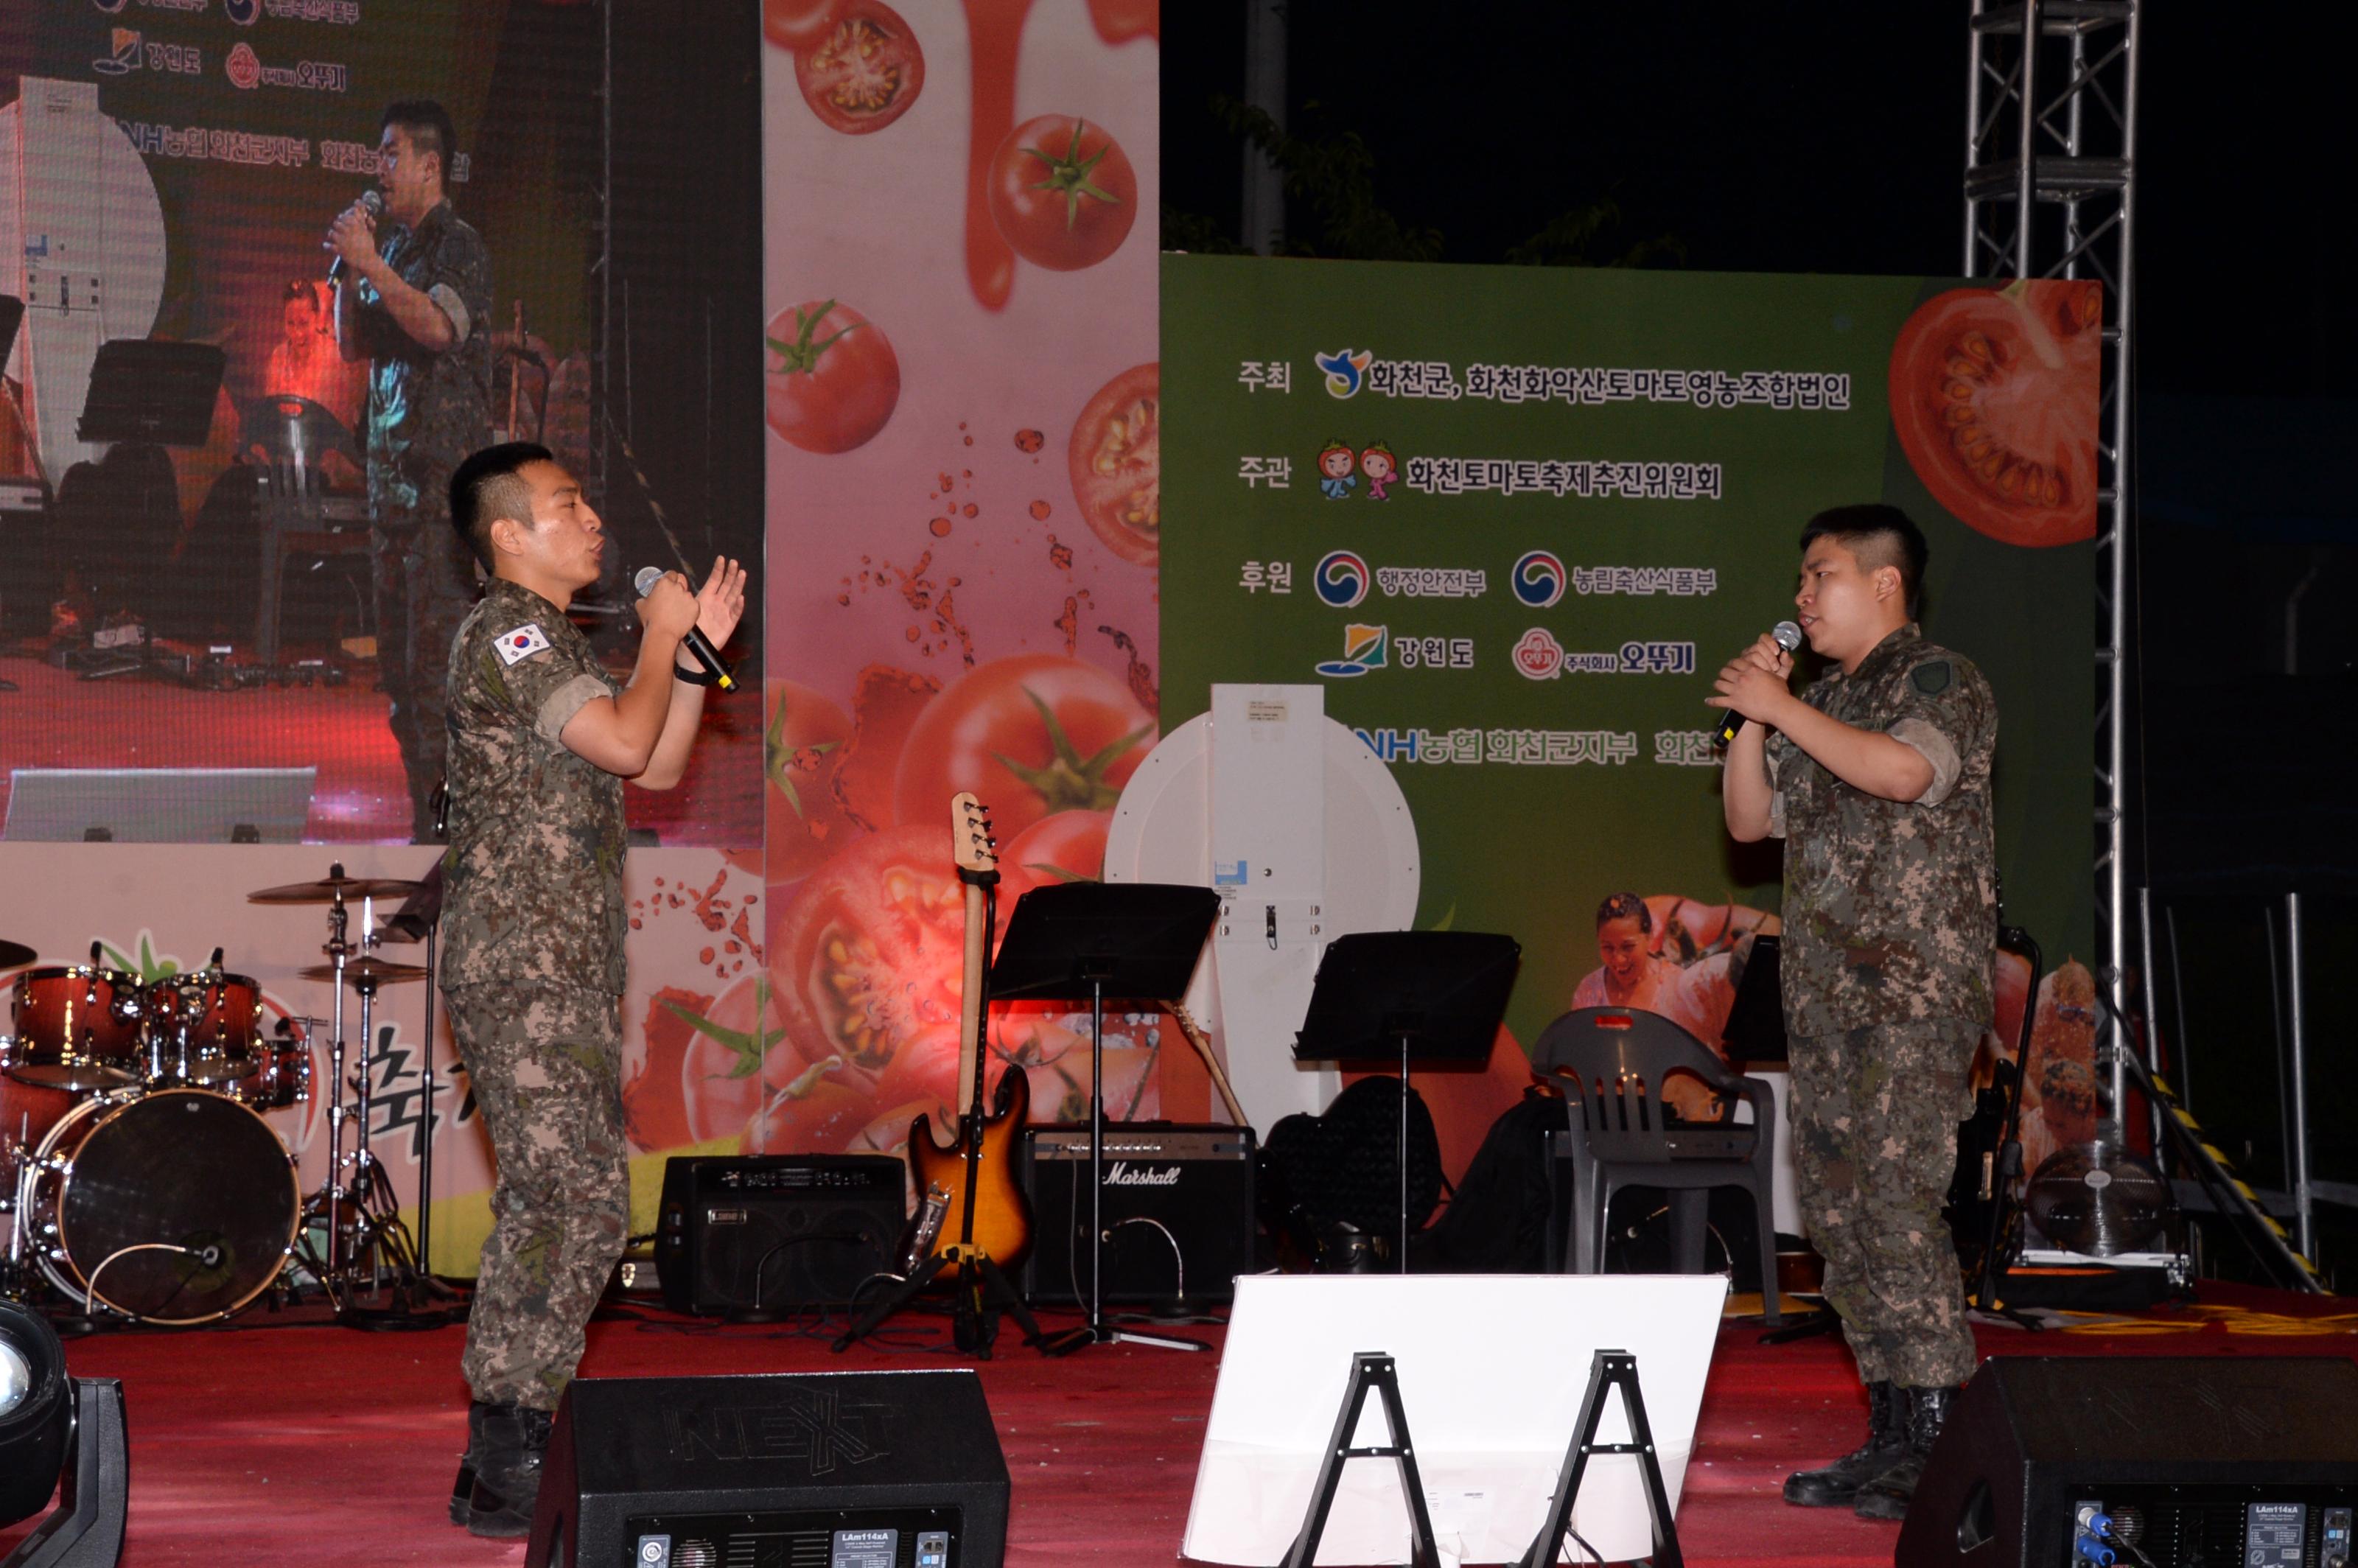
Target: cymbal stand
333, 1193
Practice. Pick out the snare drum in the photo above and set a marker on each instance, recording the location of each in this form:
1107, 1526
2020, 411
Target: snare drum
202, 1029
173, 1207
77, 1028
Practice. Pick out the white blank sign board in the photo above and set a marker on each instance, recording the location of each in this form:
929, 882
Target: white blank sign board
1492, 1369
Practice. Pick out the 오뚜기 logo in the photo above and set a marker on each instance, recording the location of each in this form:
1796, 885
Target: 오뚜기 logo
1538, 655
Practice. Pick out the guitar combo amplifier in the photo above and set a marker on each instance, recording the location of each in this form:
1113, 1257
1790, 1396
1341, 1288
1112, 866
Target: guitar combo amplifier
1177, 1210
775, 1232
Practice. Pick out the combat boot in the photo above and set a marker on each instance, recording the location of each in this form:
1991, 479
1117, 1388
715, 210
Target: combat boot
462, 1490
1888, 1495
1837, 1485
507, 1471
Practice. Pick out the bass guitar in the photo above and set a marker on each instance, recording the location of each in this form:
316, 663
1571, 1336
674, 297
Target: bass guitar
988, 1218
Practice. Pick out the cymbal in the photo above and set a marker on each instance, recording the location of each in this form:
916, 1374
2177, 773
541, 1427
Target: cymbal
14, 954
328, 889
377, 970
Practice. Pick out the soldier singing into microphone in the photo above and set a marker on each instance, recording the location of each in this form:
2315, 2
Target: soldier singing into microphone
541, 739
413, 297
1877, 778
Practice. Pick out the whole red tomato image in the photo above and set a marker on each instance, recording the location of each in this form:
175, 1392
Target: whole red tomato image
867, 956
1030, 735
797, 24
864, 72
1066, 848
833, 378
801, 748
1993, 394
1061, 192
1115, 461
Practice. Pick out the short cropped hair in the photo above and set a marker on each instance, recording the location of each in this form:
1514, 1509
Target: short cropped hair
429, 127
1625, 906
1879, 536
489, 486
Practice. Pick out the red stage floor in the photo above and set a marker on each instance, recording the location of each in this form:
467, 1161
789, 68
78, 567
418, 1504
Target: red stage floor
321, 1445
58, 720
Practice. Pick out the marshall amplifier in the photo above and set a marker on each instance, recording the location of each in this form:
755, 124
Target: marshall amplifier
1177, 1210
775, 1232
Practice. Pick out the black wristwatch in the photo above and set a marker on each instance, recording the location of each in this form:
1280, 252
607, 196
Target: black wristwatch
696, 676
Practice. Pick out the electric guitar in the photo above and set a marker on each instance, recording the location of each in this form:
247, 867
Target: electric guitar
989, 1216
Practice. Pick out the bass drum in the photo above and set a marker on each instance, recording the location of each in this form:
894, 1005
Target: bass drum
179, 1207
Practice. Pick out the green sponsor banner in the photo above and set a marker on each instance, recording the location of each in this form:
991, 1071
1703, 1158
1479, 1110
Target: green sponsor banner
1514, 520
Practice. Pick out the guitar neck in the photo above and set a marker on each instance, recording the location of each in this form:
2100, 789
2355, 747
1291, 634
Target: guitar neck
970, 1001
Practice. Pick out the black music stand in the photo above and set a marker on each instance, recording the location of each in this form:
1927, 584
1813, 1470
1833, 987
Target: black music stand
1430, 997
1093, 940
147, 393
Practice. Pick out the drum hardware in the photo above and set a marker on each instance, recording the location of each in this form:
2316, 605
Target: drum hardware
77, 1026
364, 1240
418, 920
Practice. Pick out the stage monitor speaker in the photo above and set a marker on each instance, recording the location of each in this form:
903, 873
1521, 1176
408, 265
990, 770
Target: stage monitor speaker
1178, 1203
806, 1469
2197, 1462
775, 1232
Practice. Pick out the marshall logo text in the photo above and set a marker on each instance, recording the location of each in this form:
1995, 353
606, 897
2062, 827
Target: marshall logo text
1122, 1173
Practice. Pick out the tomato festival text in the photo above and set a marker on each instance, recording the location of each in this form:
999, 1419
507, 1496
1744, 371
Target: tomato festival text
1559, 478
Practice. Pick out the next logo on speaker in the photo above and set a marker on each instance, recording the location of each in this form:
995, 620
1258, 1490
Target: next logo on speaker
824, 1431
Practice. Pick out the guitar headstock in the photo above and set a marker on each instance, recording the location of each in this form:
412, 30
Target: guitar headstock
971, 845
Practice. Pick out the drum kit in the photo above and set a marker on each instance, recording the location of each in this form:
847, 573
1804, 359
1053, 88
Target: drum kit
137, 1173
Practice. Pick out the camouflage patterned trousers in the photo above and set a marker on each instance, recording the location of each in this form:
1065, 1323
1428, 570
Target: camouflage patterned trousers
1875, 1115
545, 1062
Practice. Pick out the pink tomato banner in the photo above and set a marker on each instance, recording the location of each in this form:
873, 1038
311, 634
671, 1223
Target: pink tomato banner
963, 528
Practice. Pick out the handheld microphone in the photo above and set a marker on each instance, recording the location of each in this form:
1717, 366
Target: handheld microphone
695, 642
1789, 637
372, 203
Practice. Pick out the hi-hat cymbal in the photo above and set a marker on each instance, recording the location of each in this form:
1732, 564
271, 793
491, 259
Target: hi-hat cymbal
328, 889
14, 954
377, 971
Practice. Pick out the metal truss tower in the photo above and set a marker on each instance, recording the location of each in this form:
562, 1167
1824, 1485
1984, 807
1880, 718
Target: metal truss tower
2050, 188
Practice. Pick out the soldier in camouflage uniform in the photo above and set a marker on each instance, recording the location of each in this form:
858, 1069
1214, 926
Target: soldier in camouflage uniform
414, 300
541, 739
1877, 778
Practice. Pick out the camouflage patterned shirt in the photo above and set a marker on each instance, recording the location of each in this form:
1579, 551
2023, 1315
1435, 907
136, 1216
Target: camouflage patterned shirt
428, 408
532, 879
1891, 906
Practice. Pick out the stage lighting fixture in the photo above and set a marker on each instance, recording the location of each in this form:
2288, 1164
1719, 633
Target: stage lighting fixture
58, 1435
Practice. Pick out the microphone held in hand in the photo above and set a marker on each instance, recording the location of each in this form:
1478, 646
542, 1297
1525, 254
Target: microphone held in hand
695, 642
372, 203
1789, 637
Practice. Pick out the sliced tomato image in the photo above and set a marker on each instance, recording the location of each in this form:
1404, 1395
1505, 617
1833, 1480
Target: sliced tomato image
867, 956
798, 24
818, 1112
1119, 21
1030, 735
833, 379
736, 1053
1994, 395
802, 746
864, 72
1116, 462
1061, 192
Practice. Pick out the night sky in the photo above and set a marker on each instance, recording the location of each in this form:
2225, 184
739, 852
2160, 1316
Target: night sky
1821, 138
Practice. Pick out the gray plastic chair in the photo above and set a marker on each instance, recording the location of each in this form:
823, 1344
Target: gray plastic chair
1611, 1061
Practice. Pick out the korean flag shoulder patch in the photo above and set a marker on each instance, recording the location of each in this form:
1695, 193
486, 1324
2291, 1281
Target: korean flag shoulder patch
522, 642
